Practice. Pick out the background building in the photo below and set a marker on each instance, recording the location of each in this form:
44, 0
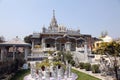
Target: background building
105, 39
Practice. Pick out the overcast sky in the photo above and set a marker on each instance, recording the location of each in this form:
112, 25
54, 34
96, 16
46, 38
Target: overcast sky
23, 17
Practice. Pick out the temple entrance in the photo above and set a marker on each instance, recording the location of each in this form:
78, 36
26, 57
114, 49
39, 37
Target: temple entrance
50, 42
59, 43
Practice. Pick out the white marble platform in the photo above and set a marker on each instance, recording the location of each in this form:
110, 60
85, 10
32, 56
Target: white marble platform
73, 77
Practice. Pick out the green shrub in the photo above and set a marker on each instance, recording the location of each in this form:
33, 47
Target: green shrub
81, 65
87, 66
72, 62
95, 68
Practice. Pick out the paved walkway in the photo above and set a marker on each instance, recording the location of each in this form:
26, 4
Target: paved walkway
97, 75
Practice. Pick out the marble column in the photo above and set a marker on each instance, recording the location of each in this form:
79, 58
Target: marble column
32, 44
43, 44
47, 75
40, 74
69, 70
26, 53
85, 52
85, 47
62, 72
68, 46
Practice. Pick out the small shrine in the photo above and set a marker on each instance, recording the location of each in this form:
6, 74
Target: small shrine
10, 50
51, 70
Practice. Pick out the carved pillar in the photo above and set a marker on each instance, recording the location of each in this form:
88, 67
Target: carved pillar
26, 53
43, 44
68, 46
85, 47
32, 44
85, 52
55, 45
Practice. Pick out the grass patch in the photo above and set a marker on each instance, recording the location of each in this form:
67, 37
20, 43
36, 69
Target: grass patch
20, 75
83, 76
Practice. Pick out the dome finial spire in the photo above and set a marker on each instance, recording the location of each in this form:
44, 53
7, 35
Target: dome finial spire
53, 22
53, 13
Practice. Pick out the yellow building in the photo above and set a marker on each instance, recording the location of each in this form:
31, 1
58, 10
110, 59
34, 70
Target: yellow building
106, 39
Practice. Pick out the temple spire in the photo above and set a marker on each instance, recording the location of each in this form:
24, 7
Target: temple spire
53, 13
53, 22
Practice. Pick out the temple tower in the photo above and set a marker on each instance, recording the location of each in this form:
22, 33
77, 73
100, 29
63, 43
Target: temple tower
53, 23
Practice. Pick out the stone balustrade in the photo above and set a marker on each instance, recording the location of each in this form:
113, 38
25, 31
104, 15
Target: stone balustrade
37, 50
49, 49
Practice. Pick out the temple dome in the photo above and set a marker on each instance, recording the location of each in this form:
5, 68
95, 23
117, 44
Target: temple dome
16, 41
107, 39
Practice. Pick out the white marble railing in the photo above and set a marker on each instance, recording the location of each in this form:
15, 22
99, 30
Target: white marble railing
38, 55
80, 48
49, 49
35, 50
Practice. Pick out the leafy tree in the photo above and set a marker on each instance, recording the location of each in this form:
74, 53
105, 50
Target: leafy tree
101, 49
68, 56
57, 57
104, 33
27, 39
65, 56
112, 49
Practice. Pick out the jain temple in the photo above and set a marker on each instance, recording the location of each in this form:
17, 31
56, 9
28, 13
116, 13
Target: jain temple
58, 38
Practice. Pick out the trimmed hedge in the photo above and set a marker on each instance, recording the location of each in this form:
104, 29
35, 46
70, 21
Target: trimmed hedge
87, 66
95, 68
81, 65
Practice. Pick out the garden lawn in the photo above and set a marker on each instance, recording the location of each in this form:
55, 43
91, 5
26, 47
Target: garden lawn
20, 75
83, 76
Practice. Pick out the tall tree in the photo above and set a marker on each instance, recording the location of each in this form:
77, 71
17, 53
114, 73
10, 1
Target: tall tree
112, 49
104, 33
